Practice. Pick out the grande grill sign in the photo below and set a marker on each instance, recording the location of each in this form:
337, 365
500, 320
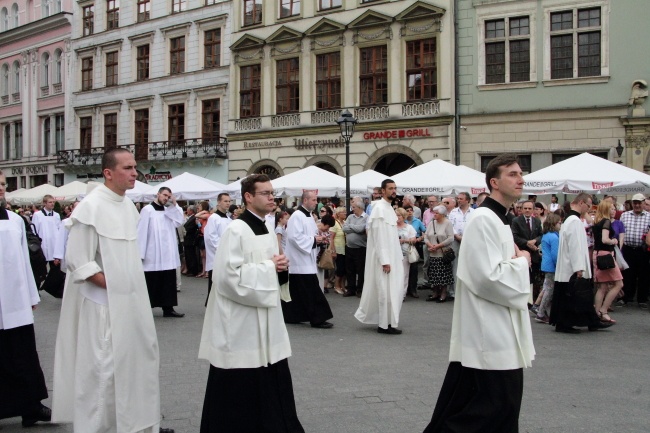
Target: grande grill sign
396, 133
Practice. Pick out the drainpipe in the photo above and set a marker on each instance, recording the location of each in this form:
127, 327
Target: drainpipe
456, 90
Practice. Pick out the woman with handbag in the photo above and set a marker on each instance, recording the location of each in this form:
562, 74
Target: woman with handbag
608, 277
438, 238
407, 239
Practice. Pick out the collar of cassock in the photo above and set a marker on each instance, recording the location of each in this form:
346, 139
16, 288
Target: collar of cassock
254, 222
497, 208
305, 211
221, 214
3, 213
156, 206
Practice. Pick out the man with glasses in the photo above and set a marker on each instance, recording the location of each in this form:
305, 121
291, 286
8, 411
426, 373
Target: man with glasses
355, 248
527, 231
427, 217
458, 217
308, 303
244, 336
636, 278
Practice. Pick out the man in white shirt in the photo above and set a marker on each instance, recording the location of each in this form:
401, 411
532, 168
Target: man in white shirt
409, 200
427, 216
159, 250
459, 217
47, 224
214, 229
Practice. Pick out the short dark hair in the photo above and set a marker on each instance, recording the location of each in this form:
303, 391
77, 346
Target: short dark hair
583, 196
328, 220
109, 160
385, 182
493, 169
164, 188
221, 195
248, 184
407, 207
466, 194
523, 202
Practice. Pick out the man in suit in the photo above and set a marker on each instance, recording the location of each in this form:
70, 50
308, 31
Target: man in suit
192, 258
527, 232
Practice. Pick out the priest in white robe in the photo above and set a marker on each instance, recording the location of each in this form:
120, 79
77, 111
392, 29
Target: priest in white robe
106, 358
214, 230
22, 384
47, 224
244, 336
308, 303
159, 250
573, 300
491, 339
383, 285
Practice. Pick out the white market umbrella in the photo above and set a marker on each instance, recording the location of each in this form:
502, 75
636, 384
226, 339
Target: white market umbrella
12, 193
439, 177
587, 173
137, 192
32, 195
234, 188
360, 181
188, 186
311, 178
71, 192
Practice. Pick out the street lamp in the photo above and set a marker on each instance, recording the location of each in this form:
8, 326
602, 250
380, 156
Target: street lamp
346, 123
619, 151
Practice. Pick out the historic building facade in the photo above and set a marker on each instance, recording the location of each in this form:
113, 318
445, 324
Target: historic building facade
549, 79
152, 77
34, 61
297, 64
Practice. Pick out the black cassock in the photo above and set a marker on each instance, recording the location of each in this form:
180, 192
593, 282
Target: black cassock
251, 400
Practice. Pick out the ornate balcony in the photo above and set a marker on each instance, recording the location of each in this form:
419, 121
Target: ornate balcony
15, 97
248, 124
58, 88
372, 113
45, 91
283, 120
328, 117
5, 99
183, 150
422, 108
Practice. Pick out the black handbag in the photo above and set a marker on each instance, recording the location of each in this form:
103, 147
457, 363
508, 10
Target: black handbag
448, 255
605, 262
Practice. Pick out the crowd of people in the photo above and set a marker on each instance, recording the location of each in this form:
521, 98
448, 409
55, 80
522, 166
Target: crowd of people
497, 256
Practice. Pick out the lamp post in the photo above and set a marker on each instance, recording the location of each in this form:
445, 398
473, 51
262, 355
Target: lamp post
619, 151
346, 123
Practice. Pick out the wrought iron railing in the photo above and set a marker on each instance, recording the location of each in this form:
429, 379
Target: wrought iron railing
421, 108
178, 150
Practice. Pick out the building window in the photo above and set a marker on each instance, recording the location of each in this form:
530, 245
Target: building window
142, 60
141, 126
46, 136
144, 10
523, 160
177, 55
568, 59
507, 50
87, 73
46, 8
212, 48
4, 88
421, 70
110, 130
211, 119
88, 17
85, 134
176, 123
56, 79
252, 12
59, 132
373, 78
178, 6
18, 140
289, 8
59, 179
250, 91
17, 77
288, 86
328, 81
4, 20
45, 70
111, 69
112, 14
7, 142
328, 4
14, 13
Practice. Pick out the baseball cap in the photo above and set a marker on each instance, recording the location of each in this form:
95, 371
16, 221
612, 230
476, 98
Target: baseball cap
638, 197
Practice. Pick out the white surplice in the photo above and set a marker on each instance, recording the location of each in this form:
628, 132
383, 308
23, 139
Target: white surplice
243, 325
48, 230
383, 293
18, 290
157, 237
103, 238
573, 253
301, 251
490, 327
214, 230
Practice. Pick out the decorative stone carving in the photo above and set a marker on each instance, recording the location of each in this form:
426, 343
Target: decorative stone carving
637, 97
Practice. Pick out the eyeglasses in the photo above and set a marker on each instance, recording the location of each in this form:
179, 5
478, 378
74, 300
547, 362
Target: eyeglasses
265, 193
322, 210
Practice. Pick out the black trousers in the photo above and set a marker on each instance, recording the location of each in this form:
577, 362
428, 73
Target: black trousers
192, 258
413, 278
355, 266
637, 277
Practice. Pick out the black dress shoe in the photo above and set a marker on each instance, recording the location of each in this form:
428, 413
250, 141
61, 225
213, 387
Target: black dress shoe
173, 313
323, 325
569, 330
166, 430
599, 325
348, 293
42, 414
390, 330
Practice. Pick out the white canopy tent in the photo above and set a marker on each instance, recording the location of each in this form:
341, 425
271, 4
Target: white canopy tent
588, 173
135, 194
71, 192
234, 188
360, 181
32, 195
12, 193
188, 186
439, 177
311, 178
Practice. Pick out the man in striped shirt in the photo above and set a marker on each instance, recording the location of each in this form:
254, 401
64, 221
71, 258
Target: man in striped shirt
636, 278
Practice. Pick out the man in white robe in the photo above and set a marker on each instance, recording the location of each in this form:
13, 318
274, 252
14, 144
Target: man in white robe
244, 336
22, 384
308, 303
383, 285
573, 301
47, 224
214, 230
106, 358
491, 339
159, 250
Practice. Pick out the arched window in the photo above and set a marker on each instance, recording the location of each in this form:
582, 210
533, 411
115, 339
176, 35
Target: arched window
45, 69
16, 77
46, 8
4, 19
4, 84
14, 15
57, 6
56, 78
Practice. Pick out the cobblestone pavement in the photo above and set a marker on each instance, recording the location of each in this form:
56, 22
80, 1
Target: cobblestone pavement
350, 379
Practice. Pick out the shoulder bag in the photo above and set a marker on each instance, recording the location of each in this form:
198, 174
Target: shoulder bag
604, 262
413, 254
448, 254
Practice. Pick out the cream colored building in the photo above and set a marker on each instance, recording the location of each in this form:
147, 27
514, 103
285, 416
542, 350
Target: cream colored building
297, 64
